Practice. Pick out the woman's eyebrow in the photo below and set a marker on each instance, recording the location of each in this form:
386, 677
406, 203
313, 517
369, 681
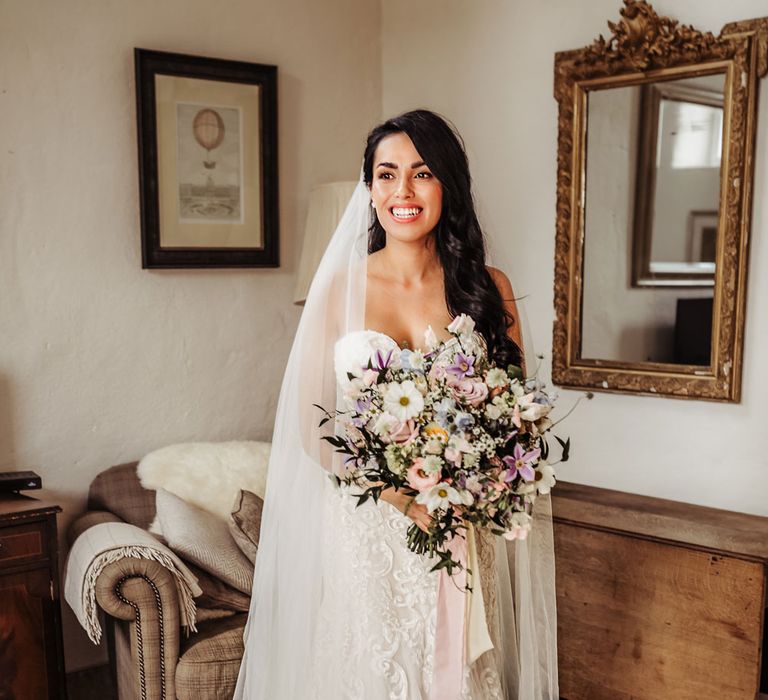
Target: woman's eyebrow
385, 164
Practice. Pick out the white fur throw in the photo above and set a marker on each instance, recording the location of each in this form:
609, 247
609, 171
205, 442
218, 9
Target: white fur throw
208, 475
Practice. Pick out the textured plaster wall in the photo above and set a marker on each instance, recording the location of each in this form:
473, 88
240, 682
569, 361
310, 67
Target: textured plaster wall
101, 361
488, 66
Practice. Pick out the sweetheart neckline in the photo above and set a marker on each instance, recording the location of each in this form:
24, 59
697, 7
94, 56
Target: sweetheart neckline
397, 345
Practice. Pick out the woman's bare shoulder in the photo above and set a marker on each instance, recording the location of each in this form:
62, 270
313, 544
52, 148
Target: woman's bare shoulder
502, 282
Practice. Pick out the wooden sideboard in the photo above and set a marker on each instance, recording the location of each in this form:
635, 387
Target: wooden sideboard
31, 652
658, 600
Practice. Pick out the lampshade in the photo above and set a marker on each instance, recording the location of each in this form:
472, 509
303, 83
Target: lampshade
326, 205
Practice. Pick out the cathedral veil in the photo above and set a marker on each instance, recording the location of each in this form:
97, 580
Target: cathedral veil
287, 588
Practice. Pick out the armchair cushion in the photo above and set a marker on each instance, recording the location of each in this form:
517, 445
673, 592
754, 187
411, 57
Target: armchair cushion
210, 660
203, 539
245, 522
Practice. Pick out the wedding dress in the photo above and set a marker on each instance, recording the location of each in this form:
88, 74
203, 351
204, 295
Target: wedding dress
340, 608
377, 623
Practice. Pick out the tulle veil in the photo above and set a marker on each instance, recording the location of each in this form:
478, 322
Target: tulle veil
288, 587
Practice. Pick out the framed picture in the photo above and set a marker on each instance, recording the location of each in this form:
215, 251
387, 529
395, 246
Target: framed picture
207, 136
702, 237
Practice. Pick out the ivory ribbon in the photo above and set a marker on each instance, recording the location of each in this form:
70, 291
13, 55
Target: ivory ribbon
461, 633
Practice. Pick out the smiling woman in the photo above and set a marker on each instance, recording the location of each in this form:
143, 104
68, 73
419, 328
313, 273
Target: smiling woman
339, 590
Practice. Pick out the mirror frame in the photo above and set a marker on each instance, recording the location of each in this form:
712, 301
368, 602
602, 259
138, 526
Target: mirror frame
645, 47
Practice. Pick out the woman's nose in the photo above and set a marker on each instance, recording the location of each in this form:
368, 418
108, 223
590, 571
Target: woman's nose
404, 187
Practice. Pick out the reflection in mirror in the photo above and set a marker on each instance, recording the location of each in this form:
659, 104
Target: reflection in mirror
650, 220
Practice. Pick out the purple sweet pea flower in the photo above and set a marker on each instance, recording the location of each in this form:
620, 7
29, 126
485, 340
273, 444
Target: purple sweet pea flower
520, 463
381, 360
463, 366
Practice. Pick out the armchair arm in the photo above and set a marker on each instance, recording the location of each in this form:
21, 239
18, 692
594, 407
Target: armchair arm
143, 592
88, 519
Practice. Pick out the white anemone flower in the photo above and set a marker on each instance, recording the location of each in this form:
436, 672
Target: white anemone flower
443, 495
403, 400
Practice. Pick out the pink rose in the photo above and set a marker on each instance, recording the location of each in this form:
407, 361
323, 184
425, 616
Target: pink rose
419, 479
370, 376
401, 433
472, 392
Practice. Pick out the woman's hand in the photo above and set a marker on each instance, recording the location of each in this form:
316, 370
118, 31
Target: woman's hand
407, 506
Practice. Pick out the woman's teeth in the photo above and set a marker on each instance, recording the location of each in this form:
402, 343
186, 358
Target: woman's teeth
405, 213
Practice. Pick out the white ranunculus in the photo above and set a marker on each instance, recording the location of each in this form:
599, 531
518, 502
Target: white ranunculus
492, 411
403, 400
462, 324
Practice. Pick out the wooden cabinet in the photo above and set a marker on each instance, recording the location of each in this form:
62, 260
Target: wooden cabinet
658, 600
31, 654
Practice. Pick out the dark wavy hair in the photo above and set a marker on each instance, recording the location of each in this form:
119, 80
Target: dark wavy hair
460, 243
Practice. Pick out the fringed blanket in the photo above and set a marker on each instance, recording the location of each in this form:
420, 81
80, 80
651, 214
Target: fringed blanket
106, 543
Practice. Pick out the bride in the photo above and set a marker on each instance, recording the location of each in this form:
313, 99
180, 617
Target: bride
341, 608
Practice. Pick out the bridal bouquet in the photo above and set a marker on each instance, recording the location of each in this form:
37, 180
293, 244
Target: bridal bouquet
466, 438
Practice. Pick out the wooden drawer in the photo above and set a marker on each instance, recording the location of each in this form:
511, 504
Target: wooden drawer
21, 543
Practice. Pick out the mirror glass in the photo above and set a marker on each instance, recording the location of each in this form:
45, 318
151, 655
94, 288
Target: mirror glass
651, 202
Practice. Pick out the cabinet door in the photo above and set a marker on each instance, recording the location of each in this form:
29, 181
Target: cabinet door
27, 636
644, 620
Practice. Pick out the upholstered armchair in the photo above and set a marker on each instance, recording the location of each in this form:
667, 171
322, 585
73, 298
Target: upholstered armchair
151, 656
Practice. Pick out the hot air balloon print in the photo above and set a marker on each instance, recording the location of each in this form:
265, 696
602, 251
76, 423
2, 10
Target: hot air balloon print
208, 128
209, 163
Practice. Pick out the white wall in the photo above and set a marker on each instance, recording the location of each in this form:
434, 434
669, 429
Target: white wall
101, 361
488, 66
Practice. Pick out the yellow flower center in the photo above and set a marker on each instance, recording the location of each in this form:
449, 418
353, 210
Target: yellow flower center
404, 401
442, 493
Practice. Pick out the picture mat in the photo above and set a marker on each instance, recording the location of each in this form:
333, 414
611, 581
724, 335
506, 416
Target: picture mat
175, 233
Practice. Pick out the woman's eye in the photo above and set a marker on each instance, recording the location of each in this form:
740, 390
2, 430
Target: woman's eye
425, 173
384, 176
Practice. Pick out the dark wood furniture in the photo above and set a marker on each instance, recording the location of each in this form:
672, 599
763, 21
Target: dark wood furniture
31, 651
658, 600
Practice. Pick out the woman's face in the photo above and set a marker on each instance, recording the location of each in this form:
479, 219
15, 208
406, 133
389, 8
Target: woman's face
407, 196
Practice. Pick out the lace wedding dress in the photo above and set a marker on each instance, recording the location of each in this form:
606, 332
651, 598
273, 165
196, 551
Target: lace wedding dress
376, 628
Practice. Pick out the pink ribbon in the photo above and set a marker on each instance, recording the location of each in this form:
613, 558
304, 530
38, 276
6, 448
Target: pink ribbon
450, 643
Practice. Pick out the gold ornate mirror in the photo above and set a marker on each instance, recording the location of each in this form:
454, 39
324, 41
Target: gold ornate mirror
656, 133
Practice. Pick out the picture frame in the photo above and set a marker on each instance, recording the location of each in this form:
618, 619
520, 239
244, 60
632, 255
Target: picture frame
207, 142
702, 237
